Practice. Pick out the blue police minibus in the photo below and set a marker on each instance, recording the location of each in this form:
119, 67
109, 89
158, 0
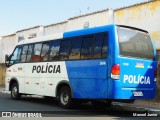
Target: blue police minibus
112, 62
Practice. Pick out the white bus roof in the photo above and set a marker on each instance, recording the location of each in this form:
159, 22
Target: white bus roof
42, 38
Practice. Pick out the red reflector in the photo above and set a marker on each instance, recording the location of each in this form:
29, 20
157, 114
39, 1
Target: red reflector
115, 69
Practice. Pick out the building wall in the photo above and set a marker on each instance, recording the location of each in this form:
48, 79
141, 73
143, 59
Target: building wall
2, 74
91, 20
55, 28
7, 46
94, 19
0, 49
145, 16
31, 32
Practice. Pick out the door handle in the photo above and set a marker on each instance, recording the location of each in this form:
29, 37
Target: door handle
27, 82
37, 83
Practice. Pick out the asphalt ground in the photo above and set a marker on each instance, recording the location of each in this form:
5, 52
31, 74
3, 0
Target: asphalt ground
49, 108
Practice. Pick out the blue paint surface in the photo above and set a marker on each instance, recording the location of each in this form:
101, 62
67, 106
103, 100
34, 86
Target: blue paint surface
90, 80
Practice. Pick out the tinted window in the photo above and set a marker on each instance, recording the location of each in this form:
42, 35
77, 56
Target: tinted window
15, 58
64, 49
54, 50
24, 53
44, 53
87, 45
135, 44
75, 48
98, 46
36, 53
105, 46
29, 54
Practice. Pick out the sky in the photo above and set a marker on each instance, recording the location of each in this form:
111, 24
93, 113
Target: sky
21, 14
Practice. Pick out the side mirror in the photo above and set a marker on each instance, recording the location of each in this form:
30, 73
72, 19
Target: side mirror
6, 57
7, 60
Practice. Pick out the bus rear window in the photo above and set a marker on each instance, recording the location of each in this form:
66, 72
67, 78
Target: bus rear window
135, 43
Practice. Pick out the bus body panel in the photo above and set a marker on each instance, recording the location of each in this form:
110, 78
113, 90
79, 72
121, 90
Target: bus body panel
137, 73
88, 78
39, 78
15, 73
134, 77
121, 93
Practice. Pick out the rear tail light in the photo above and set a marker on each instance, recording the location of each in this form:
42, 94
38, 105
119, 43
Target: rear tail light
115, 71
155, 72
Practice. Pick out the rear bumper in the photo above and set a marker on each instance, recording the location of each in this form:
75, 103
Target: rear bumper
128, 93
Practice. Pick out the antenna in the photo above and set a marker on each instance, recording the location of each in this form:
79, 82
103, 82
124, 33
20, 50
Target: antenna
88, 8
80, 11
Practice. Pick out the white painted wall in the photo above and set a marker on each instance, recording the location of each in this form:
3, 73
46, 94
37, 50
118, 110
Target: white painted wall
0, 49
96, 19
7, 46
55, 28
39, 31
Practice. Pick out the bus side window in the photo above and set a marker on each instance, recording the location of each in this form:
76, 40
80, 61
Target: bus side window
29, 53
24, 53
15, 58
87, 47
98, 45
37, 52
105, 46
75, 48
64, 50
53, 55
44, 53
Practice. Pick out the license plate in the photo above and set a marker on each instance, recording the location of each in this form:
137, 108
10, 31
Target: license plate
137, 93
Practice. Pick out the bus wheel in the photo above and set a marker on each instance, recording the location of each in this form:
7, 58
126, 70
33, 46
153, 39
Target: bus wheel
15, 92
64, 97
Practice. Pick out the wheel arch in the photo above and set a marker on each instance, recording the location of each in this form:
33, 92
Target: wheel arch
61, 84
13, 80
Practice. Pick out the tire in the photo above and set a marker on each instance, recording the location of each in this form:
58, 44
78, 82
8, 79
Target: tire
64, 97
15, 95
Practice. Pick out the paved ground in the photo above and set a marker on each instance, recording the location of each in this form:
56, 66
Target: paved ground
153, 104
145, 103
50, 108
